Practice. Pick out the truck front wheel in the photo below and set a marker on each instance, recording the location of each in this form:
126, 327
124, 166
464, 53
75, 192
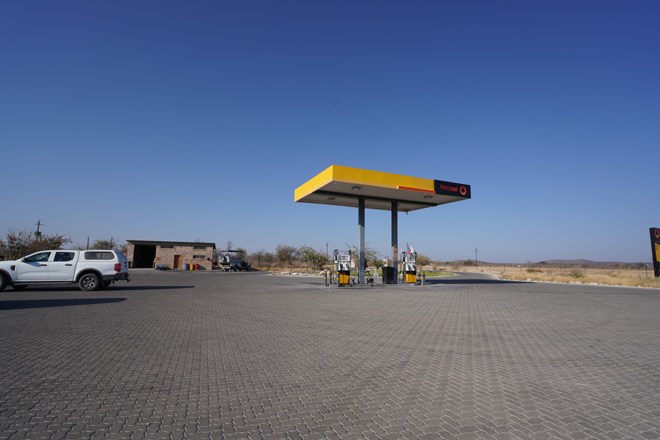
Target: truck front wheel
89, 282
3, 281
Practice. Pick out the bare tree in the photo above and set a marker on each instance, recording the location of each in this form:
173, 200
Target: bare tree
269, 258
370, 254
241, 253
257, 257
286, 254
423, 260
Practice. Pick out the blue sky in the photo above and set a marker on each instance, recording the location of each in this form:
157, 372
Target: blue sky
163, 120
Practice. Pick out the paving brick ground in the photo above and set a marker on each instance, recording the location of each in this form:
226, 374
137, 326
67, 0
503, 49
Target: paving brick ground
246, 355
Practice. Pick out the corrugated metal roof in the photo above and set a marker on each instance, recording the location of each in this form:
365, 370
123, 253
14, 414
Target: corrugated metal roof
175, 243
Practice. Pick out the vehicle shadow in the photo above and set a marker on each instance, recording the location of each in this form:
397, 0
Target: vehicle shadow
45, 303
75, 288
150, 288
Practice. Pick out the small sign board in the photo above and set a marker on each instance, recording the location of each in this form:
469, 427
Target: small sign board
452, 189
655, 247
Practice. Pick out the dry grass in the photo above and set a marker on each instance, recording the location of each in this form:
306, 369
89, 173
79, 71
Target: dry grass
610, 277
569, 275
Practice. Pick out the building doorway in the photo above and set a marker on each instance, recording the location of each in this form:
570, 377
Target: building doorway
144, 256
177, 262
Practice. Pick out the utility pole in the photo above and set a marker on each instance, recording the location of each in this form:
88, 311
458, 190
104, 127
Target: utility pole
38, 233
476, 261
326, 250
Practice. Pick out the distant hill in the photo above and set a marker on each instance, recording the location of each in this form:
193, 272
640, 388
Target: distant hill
578, 262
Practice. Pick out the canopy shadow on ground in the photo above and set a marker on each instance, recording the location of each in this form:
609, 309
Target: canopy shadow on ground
453, 281
47, 303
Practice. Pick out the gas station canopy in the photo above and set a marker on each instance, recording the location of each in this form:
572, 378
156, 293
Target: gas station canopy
345, 186
362, 189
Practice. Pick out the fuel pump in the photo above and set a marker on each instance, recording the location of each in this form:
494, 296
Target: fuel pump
409, 263
343, 268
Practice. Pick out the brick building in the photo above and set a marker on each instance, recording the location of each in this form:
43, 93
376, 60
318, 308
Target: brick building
169, 254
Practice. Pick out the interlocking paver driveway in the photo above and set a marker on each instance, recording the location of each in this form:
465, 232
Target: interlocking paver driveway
247, 355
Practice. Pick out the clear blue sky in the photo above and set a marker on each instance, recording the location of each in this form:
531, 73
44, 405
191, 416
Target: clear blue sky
163, 120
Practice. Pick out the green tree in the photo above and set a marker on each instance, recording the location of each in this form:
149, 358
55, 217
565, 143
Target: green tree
312, 257
51, 242
18, 244
109, 244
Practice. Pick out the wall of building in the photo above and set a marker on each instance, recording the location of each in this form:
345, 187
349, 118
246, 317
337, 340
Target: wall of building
165, 255
130, 253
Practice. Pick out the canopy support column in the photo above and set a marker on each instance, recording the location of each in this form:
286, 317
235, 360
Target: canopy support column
361, 209
395, 241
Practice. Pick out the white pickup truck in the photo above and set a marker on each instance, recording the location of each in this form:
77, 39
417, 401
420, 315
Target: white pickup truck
92, 270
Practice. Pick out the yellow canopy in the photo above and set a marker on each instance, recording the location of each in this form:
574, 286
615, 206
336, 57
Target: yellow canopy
344, 186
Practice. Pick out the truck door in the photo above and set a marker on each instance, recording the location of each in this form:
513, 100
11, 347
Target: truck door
33, 267
63, 266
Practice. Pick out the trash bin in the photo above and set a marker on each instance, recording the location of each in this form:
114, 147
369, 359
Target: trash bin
196, 266
388, 275
187, 266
